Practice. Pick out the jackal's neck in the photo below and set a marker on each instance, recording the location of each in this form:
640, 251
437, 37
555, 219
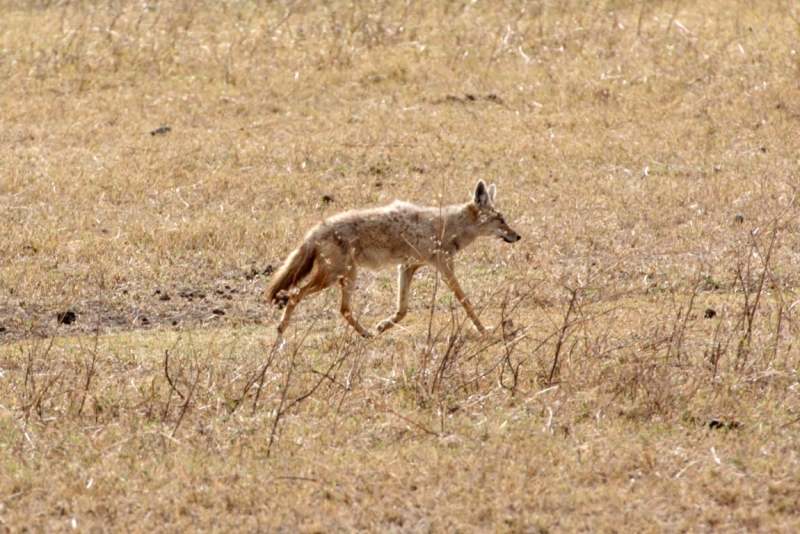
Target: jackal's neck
460, 226
467, 214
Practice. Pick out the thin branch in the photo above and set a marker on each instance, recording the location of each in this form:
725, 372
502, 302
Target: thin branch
562, 334
186, 403
166, 373
411, 421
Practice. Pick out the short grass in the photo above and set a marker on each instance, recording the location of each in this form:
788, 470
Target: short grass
643, 371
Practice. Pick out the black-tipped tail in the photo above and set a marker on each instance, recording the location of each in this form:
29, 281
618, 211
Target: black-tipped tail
296, 267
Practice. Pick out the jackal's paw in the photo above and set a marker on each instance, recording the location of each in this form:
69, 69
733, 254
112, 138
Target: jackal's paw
385, 325
485, 331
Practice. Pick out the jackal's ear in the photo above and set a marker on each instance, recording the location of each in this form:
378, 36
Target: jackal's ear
482, 194
492, 193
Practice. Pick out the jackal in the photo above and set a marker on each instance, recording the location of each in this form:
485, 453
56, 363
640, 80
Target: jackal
400, 234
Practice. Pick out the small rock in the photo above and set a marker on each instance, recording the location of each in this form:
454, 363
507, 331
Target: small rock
255, 272
327, 199
161, 130
718, 424
738, 218
68, 317
218, 311
710, 314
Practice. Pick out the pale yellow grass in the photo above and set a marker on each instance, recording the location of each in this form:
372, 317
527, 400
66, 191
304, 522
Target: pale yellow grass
646, 151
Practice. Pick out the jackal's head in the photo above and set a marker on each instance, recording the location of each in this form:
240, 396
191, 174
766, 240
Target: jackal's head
491, 221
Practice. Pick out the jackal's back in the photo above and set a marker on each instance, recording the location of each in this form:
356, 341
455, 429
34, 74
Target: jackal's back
391, 235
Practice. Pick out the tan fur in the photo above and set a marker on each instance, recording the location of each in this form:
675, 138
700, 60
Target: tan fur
294, 269
400, 234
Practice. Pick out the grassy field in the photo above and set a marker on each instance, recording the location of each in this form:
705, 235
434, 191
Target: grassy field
159, 159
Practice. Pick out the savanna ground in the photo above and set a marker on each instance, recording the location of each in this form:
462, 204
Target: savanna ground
643, 371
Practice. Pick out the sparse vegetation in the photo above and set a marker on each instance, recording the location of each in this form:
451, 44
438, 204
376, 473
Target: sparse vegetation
160, 159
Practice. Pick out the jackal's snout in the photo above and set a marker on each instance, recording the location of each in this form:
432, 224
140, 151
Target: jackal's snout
509, 235
498, 227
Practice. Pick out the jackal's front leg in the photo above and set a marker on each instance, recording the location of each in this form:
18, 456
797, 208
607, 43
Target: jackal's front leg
404, 277
446, 268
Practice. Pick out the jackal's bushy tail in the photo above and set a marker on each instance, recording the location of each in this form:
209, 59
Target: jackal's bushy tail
295, 268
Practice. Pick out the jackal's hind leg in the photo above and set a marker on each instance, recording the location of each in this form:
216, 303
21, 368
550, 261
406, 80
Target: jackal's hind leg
348, 283
319, 281
404, 277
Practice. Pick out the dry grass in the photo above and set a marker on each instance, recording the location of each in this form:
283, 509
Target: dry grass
648, 378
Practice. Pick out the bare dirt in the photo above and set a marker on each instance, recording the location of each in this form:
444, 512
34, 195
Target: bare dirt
235, 299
